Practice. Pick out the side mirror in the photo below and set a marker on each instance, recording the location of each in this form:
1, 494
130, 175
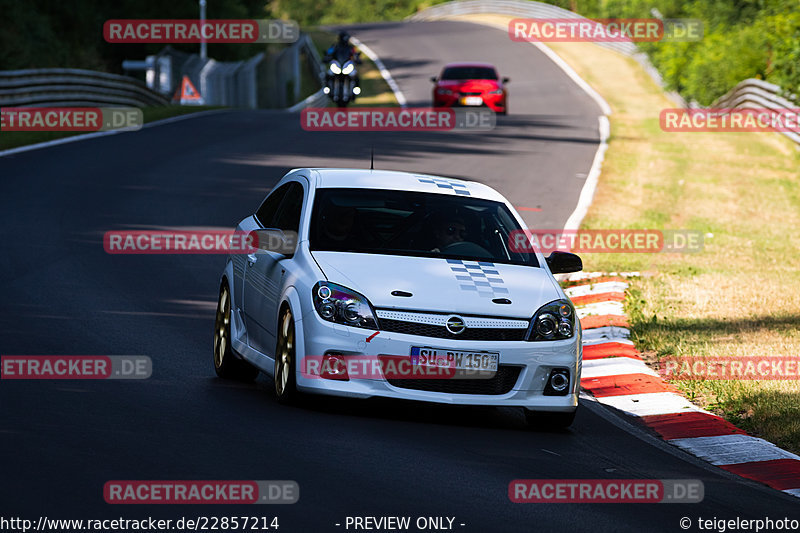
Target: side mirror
274, 240
434, 79
506, 80
564, 262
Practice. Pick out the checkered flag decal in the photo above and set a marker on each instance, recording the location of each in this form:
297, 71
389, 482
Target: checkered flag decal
458, 188
480, 277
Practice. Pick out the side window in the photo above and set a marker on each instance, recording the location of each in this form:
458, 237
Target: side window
266, 213
288, 218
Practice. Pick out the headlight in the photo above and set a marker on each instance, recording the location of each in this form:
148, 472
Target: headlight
444, 91
341, 305
553, 321
348, 68
497, 91
335, 68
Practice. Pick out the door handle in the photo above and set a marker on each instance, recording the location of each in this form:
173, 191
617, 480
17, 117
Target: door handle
251, 259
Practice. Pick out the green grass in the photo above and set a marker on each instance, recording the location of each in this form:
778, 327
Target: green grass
737, 298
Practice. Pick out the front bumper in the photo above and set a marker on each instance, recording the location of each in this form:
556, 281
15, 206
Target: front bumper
534, 360
495, 102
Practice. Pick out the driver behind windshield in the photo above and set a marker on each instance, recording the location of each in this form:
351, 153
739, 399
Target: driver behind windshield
449, 231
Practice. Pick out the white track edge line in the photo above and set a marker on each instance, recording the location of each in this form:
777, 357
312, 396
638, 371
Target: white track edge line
387, 76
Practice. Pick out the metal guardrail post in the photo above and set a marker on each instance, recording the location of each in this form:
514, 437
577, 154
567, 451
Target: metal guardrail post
76, 87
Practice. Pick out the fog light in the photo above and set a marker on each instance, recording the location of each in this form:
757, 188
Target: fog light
326, 90
356, 90
334, 366
557, 383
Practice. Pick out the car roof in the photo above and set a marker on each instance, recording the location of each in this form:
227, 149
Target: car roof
359, 178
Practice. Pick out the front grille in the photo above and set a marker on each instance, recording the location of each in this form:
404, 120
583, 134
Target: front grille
440, 332
501, 383
472, 93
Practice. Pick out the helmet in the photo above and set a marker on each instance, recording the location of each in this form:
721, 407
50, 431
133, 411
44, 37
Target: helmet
344, 37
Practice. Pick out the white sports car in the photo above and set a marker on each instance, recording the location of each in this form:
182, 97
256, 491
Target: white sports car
375, 283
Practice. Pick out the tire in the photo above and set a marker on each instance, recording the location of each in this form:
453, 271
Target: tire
285, 365
226, 363
548, 420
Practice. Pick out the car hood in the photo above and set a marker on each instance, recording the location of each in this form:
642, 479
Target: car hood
441, 285
470, 85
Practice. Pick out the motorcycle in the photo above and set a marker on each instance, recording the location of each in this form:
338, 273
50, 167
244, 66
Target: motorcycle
341, 80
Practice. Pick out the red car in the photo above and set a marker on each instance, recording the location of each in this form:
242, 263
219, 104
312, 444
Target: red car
470, 84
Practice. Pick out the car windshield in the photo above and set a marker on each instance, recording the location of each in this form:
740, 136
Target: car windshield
388, 222
469, 73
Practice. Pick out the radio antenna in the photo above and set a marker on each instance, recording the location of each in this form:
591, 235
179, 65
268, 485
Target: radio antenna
372, 158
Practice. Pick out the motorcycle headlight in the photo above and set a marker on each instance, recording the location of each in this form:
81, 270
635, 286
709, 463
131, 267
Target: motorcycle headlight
335, 68
341, 305
553, 321
444, 91
348, 68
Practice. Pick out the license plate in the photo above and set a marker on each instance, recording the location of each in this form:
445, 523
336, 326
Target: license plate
437, 357
471, 100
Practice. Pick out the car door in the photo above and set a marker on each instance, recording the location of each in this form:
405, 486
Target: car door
250, 293
264, 273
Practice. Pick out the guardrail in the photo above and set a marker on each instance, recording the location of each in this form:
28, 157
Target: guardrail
319, 98
73, 87
753, 93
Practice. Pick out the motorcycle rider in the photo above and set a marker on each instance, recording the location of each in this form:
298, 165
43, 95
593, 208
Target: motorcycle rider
342, 47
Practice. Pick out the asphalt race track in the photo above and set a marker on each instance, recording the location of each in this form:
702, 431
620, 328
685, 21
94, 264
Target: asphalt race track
62, 294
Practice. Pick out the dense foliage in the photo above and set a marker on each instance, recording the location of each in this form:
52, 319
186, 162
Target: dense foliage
743, 39
69, 33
